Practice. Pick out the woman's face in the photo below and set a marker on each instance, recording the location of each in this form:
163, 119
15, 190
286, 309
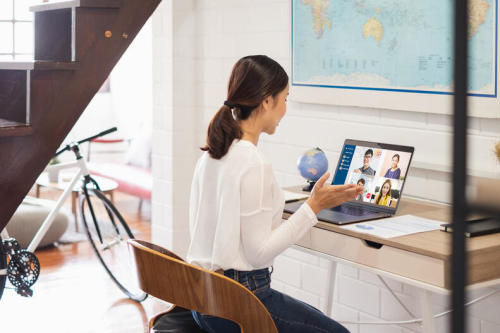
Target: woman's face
274, 111
395, 162
385, 189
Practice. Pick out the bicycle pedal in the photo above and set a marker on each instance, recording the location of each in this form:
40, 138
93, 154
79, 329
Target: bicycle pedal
25, 292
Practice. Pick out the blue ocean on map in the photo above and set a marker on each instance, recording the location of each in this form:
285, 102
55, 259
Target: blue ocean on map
390, 44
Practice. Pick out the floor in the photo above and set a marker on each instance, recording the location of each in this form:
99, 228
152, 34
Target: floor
74, 294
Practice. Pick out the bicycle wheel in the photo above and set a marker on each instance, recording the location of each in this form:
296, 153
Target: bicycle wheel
3, 269
108, 233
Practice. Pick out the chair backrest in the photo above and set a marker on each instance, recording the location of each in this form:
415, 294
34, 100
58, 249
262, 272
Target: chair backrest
166, 276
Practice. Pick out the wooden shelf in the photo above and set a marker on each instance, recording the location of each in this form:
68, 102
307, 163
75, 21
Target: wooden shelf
449, 169
13, 128
39, 65
76, 3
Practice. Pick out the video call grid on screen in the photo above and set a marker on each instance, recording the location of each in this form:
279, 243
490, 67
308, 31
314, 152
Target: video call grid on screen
377, 167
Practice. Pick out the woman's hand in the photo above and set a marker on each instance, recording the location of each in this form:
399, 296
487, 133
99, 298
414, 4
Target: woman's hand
327, 196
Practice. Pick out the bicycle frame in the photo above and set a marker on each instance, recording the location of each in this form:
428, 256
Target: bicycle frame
26, 265
82, 171
81, 164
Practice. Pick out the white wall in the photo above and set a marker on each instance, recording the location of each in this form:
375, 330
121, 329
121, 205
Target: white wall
127, 105
195, 44
174, 123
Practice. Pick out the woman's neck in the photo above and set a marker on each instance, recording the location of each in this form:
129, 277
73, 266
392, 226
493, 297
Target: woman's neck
251, 132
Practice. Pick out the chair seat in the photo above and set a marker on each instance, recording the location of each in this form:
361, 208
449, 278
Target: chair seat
178, 320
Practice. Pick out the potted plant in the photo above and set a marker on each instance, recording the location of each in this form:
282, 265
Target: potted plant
487, 190
497, 150
53, 173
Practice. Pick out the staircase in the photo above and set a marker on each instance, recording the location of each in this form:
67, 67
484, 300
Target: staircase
77, 44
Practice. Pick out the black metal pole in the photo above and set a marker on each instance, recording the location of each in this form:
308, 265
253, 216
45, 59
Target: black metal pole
459, 258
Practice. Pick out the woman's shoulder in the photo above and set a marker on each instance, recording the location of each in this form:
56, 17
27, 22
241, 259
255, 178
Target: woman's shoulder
246, 153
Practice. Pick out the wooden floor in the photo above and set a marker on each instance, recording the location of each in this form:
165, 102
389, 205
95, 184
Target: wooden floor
74, 294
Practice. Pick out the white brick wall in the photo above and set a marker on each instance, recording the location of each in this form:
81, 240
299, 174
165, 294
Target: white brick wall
174, 122
195, 46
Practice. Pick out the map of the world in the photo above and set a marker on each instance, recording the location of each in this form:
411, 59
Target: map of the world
390, 45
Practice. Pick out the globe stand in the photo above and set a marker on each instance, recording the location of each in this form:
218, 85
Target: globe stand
309, 187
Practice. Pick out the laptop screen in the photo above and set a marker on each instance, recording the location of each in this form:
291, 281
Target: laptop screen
380, 168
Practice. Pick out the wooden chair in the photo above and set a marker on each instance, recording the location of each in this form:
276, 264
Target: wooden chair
166, 276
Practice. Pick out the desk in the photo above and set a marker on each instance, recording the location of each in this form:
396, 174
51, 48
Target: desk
422, 259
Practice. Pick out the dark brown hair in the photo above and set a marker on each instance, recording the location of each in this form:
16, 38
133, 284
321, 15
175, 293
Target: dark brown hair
253, 79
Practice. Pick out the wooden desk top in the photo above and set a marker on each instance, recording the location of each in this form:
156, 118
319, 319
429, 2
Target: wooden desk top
436, 244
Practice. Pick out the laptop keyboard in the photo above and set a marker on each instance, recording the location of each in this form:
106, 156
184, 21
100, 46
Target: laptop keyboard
352, 210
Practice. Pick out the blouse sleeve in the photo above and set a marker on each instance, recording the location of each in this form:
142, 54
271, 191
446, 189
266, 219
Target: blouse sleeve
260, 242
193, 201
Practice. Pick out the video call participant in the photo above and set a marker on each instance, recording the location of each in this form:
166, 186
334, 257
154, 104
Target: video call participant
366, 169
385, 193
361, 182
394, 172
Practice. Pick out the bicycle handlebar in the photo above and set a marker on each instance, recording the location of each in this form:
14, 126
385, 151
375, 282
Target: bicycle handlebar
103, 133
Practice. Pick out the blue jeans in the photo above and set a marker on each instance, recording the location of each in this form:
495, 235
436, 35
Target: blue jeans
289, 315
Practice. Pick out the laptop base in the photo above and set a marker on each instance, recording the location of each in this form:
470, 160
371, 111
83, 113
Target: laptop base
342, 214
331, 216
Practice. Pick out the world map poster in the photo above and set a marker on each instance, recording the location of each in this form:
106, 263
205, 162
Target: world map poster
395, 54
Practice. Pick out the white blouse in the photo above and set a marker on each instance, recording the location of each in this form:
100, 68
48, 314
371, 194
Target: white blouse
235, 212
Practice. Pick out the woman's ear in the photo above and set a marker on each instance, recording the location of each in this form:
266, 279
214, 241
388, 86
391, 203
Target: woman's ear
267, 103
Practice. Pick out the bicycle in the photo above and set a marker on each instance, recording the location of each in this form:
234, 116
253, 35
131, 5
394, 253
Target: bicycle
106, 230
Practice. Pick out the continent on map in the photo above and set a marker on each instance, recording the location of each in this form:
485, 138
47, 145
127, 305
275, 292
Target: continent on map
320, 20
313, 171
477, 15
373, 28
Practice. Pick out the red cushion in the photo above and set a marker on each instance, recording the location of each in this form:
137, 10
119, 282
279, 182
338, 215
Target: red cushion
101, 140
131, 180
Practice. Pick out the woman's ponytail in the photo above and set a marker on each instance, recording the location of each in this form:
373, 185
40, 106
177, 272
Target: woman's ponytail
222, 131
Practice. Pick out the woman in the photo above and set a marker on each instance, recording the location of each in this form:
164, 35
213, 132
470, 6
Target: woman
236, 204
394, 172
385, 193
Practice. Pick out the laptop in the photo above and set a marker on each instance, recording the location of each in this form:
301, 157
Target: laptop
380, 168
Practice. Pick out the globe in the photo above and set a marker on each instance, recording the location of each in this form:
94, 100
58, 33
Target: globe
312, 165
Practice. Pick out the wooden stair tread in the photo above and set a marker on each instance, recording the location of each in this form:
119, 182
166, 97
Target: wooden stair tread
76, 3
13, 128
38, 65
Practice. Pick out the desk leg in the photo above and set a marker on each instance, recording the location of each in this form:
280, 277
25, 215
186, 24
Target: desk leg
74, 199
332, 274
427, 315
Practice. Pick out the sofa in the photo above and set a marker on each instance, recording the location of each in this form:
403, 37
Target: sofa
30, 215
134, 176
